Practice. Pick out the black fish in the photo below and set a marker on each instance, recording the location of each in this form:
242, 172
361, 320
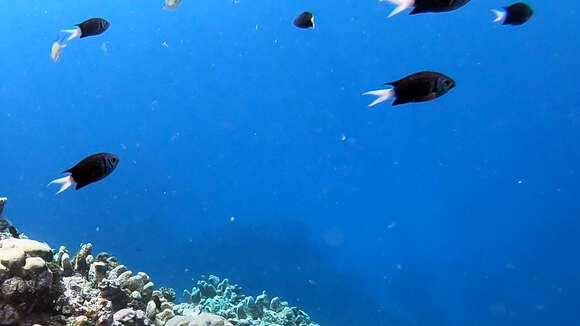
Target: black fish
89, 170
3, 201
305, 20
418, 87
93, 26
516, 14
157, 302
90, 27
422, 6
13, 231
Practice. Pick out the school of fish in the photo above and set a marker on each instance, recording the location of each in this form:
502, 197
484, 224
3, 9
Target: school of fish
418, 87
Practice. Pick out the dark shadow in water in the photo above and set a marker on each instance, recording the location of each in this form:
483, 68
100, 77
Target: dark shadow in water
279, 257
410, 300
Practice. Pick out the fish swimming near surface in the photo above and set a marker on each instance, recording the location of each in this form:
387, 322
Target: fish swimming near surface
423, 6
171, 4
93, 168
516, 14
90, 27
305, 20
419, 87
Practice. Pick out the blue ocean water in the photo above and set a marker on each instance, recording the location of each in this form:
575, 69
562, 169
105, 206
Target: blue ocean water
460, 211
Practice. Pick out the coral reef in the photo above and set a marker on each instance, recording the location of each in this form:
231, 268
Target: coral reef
202, 319
42, 287
224, 299
25, 277
39, 288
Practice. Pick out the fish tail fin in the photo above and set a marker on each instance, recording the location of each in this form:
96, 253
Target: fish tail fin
74, 33
66, 183
382, 95
401, 6
499, 15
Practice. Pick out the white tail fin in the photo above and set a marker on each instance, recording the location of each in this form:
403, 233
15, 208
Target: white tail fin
66, 183
383, 95
499, 15
74, 33
401, 5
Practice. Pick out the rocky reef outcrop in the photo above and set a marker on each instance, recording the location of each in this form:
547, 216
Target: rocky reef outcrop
40, 286
26, 280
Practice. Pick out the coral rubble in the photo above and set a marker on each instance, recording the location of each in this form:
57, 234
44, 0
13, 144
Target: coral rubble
42, 287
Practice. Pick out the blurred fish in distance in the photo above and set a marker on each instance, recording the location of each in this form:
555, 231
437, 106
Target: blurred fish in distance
91, 169
424, 6
419, 87
516, 14
171, 4
305, 20
56, 49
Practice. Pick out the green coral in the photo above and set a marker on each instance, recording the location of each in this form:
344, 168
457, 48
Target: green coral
226, 300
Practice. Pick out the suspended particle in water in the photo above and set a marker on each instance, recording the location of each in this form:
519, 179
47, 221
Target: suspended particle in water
343, 138
105, 48
97, 229
232, 219
520, 182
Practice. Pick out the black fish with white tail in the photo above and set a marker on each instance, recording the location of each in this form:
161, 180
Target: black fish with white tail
90, 27
423, 6
305, 20
419, 87
516, 14
92, 169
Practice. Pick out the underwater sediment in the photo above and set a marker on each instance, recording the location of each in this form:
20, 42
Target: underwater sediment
40, 286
